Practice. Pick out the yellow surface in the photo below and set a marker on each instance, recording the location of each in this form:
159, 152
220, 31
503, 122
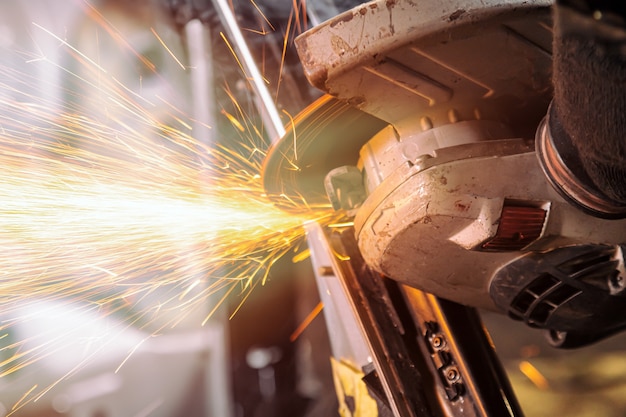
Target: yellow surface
349, 383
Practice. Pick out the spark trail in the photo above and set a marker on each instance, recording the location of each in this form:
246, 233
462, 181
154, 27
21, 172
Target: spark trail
123, 210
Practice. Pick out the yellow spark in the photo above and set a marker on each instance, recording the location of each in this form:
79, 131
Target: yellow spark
136, 95
295, 136
113, 209
96, 267
284, 51
183, 123
534, 375
306, 322
114, 33
305, 254
233, 121
295, 10
64, 43
234, 54
21, 400
341, 225
224, 297
162, 42
134, 349
262, 14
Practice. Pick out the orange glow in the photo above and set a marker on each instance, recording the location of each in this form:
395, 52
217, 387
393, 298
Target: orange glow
113, 206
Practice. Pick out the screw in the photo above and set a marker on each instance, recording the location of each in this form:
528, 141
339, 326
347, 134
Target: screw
438, 341
452, 374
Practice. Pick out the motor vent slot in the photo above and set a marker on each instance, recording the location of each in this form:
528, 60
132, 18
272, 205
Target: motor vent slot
576, 290
540, 299
595, 268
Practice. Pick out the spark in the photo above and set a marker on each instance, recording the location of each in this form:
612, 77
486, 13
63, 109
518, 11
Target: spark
94, 14
64, 43
162, 42
109, 209
306, 322
23, 398
341, 225
305, 254
534, 375
284, 51
133, 350
262, 15
233, 120
150, 408
297, 11
295, 136
234, 54
82, 222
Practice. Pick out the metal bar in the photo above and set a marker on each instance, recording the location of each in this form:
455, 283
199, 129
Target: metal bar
431, 356
271, 118
463, 357
346, 336
390, 338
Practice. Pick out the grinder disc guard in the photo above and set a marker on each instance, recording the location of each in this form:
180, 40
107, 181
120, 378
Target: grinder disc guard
437, 104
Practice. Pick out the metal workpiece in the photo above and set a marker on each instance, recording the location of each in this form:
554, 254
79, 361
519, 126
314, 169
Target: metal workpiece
421, 356
347, 338
394, 374
473, 380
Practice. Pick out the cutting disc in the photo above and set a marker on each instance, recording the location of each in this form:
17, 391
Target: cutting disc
326, 135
